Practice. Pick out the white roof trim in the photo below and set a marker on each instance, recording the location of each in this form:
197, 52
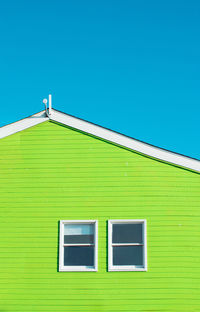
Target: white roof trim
23, 124
105, 134
125, 141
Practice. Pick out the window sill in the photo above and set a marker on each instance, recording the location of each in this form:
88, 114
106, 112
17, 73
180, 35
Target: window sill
77, 269
126, 268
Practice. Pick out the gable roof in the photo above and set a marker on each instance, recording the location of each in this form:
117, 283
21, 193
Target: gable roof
103, 133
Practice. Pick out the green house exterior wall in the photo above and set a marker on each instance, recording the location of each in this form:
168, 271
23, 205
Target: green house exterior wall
50, 173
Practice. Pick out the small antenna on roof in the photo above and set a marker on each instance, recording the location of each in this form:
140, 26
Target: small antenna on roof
47, 110
50, 106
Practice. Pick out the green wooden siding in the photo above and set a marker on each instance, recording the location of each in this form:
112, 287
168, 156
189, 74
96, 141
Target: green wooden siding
50, 172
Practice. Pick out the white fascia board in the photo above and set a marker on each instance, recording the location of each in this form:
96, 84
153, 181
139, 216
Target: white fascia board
102, 133
125, 141
23, 124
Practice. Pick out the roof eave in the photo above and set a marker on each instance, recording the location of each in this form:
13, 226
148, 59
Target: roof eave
23, 124
102, 133
127, 142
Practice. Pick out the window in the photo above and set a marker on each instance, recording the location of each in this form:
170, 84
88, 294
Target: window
127, 245
78, 245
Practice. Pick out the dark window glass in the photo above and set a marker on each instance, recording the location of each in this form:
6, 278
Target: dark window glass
78, 239
127, 233
128, 255
79, 255
79, 233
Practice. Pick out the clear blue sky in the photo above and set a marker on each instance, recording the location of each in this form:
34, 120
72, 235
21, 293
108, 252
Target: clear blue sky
132, 66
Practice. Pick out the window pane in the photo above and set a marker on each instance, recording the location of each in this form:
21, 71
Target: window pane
127, 233
78, 239
79, 255
78, 233
128, 255
78, 229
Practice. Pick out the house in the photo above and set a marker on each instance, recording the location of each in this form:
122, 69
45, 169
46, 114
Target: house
92, 220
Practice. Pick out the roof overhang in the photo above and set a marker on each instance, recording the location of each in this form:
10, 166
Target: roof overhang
102, 133
23, 124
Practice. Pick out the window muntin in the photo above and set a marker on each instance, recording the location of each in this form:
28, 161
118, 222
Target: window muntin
127, 245
78, 245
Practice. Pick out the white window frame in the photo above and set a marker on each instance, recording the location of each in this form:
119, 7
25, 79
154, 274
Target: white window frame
76, 268
112, 267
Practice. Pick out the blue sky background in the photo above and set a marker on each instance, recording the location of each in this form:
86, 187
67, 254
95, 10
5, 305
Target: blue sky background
131, 66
